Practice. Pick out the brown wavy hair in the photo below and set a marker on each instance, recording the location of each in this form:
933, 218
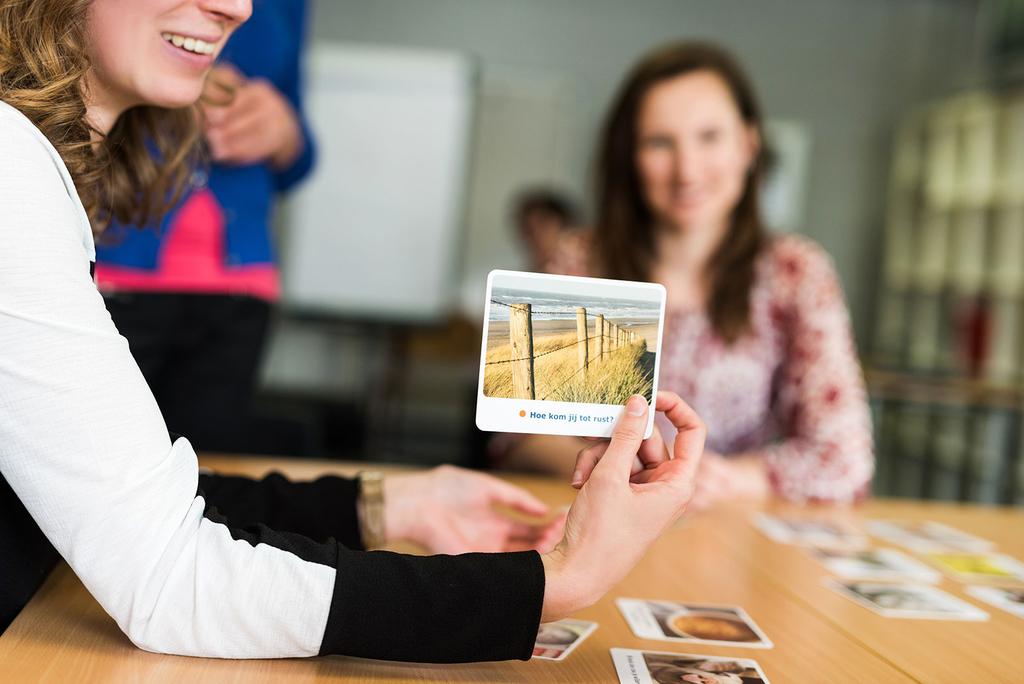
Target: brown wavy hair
625, 227
137, 171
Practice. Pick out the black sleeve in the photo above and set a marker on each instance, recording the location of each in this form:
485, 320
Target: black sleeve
438, 609
320, 509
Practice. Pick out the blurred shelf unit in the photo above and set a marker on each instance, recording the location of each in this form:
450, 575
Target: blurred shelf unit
949, 334
947, 438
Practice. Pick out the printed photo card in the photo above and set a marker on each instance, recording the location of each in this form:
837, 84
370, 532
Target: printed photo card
562, 354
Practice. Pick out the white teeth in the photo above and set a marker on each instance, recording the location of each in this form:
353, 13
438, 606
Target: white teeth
191, 44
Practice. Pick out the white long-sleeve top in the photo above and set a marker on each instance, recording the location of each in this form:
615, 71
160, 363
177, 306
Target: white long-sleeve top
84, 449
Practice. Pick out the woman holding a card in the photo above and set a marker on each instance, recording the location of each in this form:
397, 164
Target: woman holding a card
97, 123
757, 336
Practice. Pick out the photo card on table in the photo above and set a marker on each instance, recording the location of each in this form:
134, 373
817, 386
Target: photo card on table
926, 536
811, 532
905, 600
978, 567
696, 623
556, 640
875, 564
1010, 599
651, 667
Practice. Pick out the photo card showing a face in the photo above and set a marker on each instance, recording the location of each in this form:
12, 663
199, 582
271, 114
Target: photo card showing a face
904, 600
650, 667
556, 640
692, 622
562, 354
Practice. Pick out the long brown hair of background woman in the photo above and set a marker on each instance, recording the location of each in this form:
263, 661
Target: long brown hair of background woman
625, 228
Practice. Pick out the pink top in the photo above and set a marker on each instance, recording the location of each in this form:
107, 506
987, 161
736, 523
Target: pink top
791, 390
192, 259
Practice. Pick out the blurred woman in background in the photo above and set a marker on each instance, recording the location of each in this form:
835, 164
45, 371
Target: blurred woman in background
757, 335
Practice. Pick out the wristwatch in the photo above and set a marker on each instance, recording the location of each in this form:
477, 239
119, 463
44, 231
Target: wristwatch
370, 508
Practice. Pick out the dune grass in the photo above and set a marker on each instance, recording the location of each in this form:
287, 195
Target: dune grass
611, 380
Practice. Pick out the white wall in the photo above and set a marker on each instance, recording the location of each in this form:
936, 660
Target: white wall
847, 68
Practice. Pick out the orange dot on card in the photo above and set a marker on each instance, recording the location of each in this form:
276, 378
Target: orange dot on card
522, 414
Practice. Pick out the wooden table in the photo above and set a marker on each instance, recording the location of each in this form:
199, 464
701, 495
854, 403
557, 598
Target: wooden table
63, 635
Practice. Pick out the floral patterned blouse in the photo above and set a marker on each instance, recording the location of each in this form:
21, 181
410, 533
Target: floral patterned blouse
791, 390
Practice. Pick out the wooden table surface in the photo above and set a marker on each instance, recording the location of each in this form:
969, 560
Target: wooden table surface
63, 635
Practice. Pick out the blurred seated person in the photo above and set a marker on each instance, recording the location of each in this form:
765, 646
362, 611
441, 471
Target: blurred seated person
194, 293
549, 225
757, 336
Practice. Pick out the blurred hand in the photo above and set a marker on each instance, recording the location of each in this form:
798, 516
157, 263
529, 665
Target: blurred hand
721, 478
630, 491
452, 510
248, 121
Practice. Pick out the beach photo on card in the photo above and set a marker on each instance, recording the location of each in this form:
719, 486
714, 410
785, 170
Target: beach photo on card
562, 354
649, 667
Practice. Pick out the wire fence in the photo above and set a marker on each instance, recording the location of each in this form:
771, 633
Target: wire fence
610, 336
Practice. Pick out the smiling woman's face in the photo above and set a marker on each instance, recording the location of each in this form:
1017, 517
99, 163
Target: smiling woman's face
157, 52
693, 151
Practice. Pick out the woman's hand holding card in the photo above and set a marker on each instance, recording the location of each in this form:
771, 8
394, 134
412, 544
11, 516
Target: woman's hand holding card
631, 490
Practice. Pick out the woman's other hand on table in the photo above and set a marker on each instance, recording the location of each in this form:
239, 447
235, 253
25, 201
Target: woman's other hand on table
453, 510
721, 479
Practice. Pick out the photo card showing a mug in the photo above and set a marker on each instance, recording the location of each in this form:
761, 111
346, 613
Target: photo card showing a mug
701, 623
562, 354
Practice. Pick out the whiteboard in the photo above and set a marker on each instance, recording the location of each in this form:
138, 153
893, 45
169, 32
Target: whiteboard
374, 231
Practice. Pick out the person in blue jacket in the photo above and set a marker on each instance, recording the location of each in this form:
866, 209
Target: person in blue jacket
193, 296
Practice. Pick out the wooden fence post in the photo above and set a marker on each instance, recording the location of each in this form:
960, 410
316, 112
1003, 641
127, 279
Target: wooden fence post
520, 334
599, 334
581, 338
